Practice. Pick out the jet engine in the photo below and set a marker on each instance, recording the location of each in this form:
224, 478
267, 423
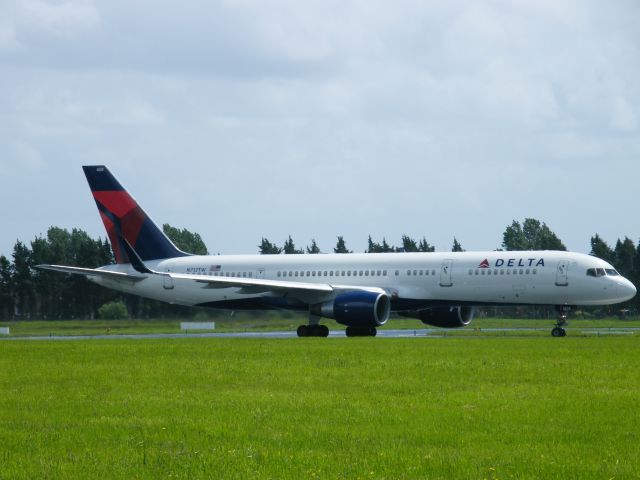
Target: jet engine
444, 317
357, 309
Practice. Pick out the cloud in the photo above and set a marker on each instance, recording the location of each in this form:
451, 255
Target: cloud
325, 117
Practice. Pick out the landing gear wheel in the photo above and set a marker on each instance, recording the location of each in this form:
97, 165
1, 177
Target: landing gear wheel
361, 331
313, 331
563, 314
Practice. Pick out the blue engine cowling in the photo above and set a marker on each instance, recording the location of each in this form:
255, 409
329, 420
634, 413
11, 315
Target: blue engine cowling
444, 317
357, 309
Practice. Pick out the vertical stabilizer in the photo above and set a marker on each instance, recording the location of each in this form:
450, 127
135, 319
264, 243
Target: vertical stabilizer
124, 218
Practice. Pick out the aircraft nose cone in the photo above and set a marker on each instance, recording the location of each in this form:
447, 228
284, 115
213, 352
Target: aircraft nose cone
627, 290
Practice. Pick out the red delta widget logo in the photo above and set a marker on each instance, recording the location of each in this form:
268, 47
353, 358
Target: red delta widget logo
513, 262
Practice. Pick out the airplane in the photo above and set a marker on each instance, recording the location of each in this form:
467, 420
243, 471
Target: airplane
359, 291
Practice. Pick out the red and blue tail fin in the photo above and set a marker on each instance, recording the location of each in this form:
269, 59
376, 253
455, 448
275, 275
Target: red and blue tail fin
124, 219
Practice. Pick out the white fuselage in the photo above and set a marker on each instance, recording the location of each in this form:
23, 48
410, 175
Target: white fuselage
413, 280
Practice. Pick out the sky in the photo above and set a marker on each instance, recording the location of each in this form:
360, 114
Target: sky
248, 119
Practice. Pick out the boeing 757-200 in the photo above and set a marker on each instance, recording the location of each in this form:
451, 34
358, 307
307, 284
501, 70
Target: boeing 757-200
357, 290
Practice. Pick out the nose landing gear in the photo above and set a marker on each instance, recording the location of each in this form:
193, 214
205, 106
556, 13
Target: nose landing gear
563, 313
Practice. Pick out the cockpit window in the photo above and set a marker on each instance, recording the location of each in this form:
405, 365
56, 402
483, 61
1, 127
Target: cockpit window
601, 272
596, 272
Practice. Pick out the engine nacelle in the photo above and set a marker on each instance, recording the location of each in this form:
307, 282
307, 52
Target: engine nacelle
444, 317
357, 309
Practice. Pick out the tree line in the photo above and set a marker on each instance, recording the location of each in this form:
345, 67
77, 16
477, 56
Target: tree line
28, 293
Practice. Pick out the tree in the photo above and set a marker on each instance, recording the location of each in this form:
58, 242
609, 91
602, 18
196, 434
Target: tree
532, 235
268, 248
6, 289
374, 247
456, 246
625, 256
313, 248
185, 240
513, 237
72, 296
290, 247
600, 249
341, 247
113, 311
22, 279
409, 244
424, 246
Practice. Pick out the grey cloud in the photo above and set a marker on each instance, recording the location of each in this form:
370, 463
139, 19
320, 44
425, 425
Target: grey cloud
316, 119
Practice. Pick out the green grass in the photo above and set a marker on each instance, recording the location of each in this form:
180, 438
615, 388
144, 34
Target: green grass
321, 408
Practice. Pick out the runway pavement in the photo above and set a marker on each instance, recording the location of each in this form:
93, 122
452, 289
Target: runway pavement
382, 333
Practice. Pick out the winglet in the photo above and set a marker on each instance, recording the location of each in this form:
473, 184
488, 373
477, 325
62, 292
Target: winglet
134, 258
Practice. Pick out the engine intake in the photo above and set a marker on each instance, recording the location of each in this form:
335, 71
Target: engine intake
357, 309
444, 317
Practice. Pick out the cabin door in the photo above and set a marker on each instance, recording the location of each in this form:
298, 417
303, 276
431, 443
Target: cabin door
445, 273
562, 277
167, 281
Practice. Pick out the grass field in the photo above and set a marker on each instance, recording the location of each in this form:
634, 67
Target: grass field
321, 408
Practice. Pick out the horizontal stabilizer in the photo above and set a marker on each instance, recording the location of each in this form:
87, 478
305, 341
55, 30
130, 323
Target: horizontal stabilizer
93, 272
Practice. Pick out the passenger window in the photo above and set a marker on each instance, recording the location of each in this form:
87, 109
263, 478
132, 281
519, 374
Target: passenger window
384, 273
477, 271
366, 273
408, 272
527, 271
360, 273
397, 272
535, 271
313, 274
415, 272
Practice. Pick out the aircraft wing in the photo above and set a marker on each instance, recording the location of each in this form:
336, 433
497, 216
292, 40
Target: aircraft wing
93, 272
252, 285
304, 291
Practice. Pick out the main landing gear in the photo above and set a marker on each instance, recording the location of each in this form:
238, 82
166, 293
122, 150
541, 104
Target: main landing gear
563, 313
313, 331
361, 331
